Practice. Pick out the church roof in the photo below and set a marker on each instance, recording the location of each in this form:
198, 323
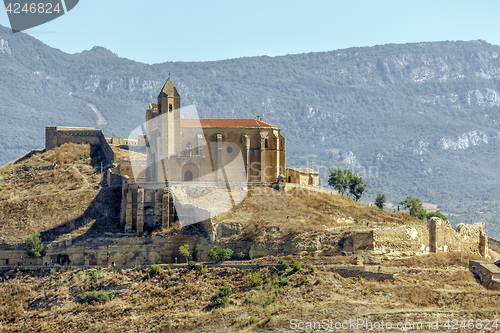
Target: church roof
168, 90
224, 123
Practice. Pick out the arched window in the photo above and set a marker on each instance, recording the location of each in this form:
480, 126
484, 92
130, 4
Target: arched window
265, 144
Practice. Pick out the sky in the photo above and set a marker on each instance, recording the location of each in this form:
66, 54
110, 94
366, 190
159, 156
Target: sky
156, 31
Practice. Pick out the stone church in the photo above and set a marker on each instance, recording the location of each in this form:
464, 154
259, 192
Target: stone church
209, 150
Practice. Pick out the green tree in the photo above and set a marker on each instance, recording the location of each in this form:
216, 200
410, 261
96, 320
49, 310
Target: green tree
345, 181
33, 245
356, 187
217, 253
437, 214
339, 179
415, 207
380, 200
184, 251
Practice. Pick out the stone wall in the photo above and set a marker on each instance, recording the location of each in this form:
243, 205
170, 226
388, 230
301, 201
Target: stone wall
121, 141
404, 238
442, 238
298, 188
55, 136
107, 251
437, 236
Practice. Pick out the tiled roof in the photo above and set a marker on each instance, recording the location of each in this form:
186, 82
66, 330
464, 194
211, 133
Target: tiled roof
223, 123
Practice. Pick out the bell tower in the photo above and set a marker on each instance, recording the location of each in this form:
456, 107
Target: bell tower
169, 104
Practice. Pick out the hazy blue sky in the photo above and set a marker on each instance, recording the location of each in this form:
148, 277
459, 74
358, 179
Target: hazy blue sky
155, 31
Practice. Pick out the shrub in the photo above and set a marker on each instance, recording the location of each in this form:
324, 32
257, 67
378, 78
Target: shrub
93, 275
436, 214
241, 255
303, 279
318, 281
252, 319
284, 264
284, 282
191, 264
247, 300
269, 317
154, 269
225, 291
97, 296
255, 280
217, 253
312, 268
260, 265
221, 298
296, 266
224, 301
33, 245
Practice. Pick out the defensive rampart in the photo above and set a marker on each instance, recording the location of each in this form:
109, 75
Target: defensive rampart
55, 136
437, 236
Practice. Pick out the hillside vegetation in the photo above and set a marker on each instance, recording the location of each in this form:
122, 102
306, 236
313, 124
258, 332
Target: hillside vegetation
429, 288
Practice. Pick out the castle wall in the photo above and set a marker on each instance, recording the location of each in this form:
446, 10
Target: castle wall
438, 236
443, 238
303, 178
126, 250
414, 238
106, 251
56, 136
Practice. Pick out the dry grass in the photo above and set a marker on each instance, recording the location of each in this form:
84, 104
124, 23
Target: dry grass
272, 217
179, 299
54, 188
122, 153
310, 210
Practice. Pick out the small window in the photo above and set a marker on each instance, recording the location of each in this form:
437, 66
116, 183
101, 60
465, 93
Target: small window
170, 107
229, 150
265, 143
